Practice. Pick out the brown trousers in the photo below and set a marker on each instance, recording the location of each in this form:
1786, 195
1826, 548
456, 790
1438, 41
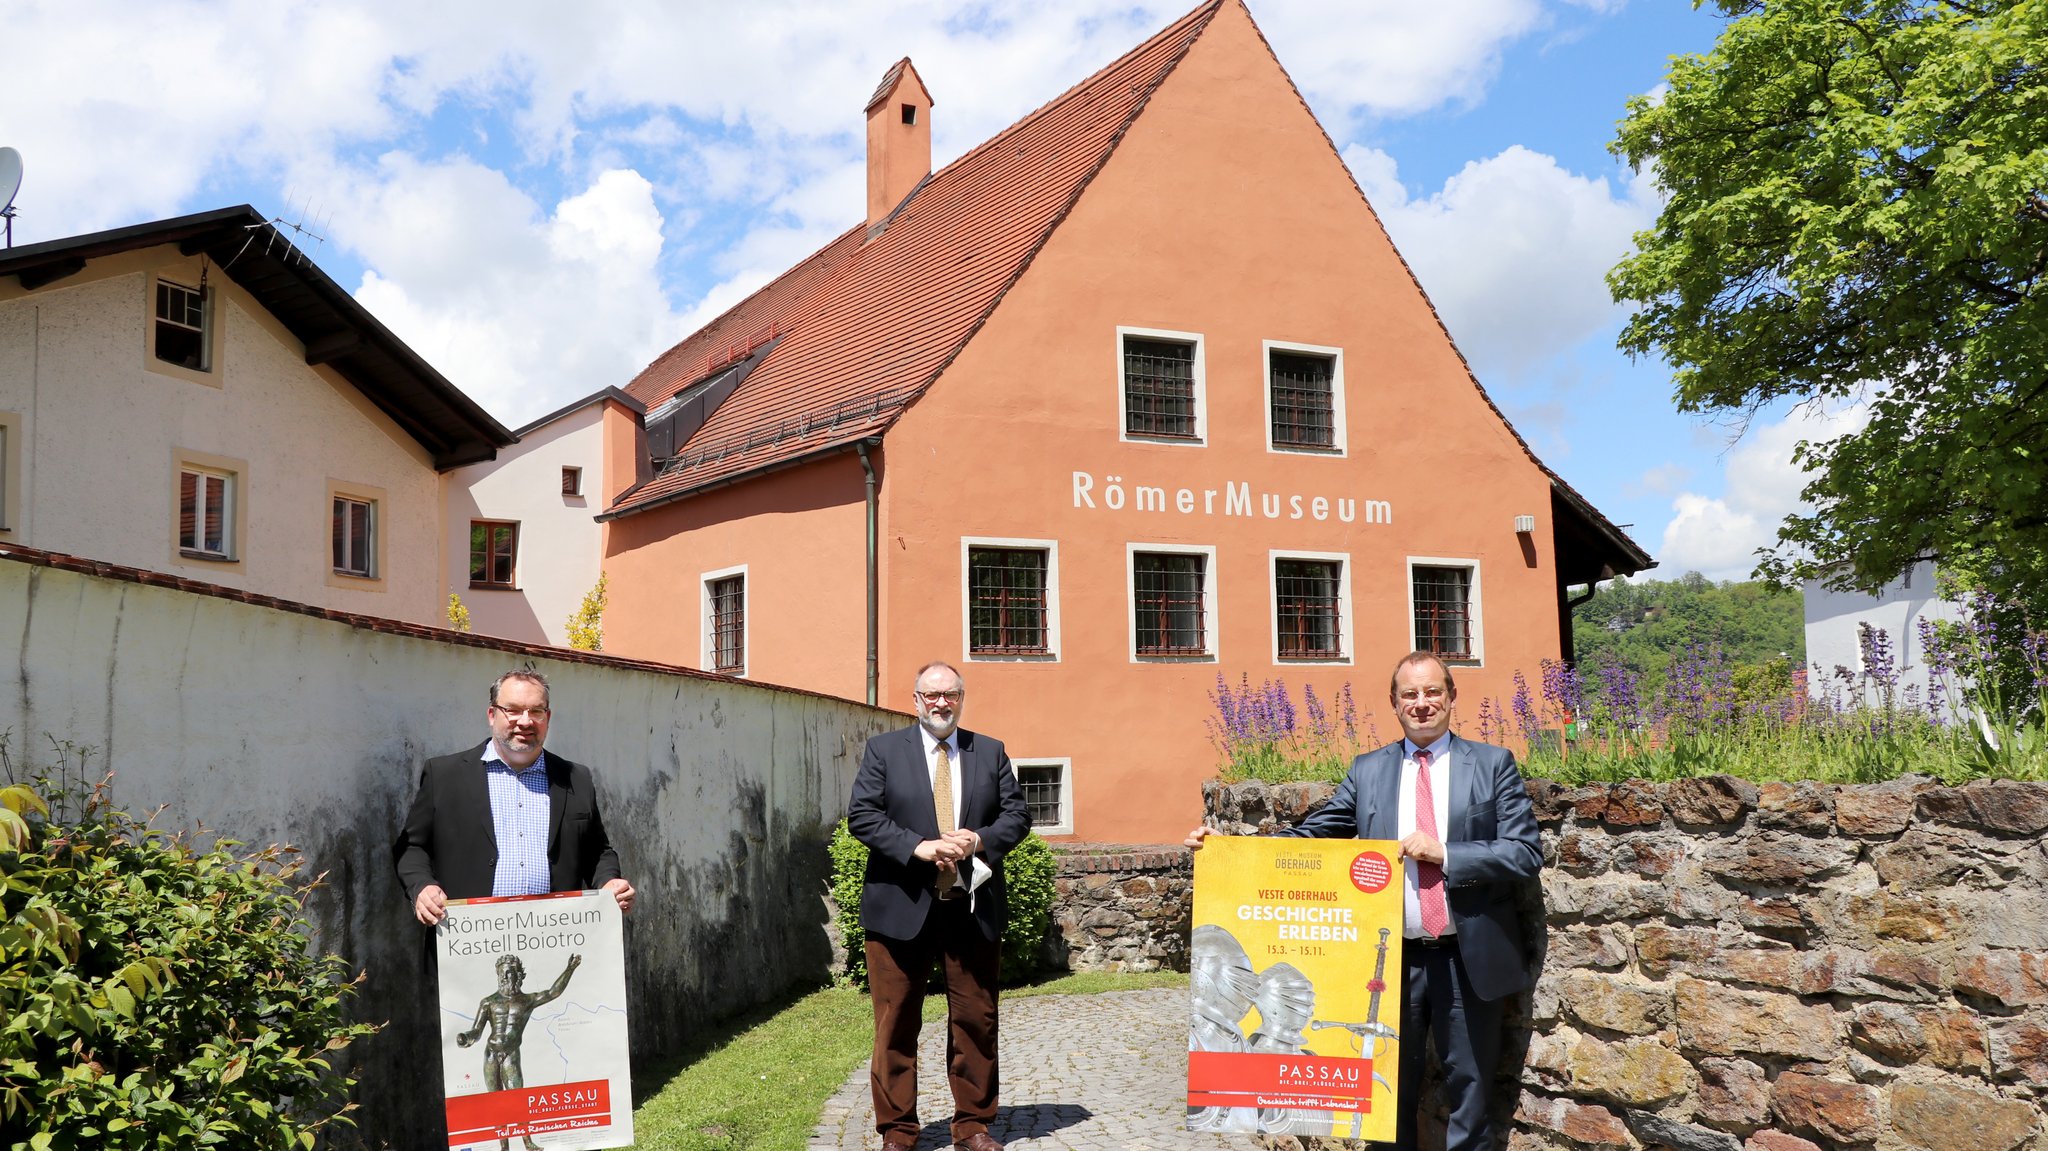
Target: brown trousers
898, 970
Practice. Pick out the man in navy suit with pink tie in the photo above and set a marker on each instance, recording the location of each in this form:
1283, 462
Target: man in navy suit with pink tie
1461, 813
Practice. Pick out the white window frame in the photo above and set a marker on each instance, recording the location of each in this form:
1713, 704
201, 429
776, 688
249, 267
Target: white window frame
231, 539
1339, 445
1123, 416
1051, 548
1475, 619
572, 482
370, 568
1065, 826
11, 451
209, 330
709, 659
1344, 630
1211, 623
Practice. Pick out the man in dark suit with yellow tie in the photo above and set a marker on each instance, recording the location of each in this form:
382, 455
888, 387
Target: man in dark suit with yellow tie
938, 807
1468, 840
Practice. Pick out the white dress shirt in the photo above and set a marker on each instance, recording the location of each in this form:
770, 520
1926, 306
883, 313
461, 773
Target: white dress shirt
931, 764
1440, 792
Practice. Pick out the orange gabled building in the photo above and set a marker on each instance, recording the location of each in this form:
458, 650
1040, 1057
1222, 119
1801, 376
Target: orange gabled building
1136, 394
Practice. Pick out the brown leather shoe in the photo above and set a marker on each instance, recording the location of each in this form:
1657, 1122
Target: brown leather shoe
979, 1141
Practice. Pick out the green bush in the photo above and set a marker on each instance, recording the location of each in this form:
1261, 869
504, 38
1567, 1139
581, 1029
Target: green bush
156, 994
1028, 873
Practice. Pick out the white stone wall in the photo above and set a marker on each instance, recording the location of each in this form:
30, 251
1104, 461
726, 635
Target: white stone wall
560, 545
273, 726
102, 421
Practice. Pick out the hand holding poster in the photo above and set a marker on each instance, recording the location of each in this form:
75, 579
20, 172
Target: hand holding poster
1295, 997
547, 1066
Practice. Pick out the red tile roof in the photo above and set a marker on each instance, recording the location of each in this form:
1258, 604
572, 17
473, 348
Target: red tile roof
868, 324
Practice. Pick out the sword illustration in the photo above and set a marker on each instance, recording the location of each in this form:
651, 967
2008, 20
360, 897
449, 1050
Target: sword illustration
1372, 1028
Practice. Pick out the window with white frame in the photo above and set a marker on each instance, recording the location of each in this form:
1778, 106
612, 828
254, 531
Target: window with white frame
572, 481
1160, 391
206, 513
181, 326
725, 621
1048, 793
1173, 602
1304, 398
1444, 603
1311, 608
1011, 604
7, 484
355, 537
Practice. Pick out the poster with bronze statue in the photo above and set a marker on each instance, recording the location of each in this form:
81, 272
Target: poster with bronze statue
1295, 987
533, 1022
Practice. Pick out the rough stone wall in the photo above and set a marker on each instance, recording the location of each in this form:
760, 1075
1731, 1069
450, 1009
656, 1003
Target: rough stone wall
1121, 908
1773, 967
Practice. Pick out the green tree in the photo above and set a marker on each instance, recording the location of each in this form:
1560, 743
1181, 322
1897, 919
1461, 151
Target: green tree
586, 623
1858, 208
1642, 625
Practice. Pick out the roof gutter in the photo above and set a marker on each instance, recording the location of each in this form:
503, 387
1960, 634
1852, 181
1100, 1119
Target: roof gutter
810, 457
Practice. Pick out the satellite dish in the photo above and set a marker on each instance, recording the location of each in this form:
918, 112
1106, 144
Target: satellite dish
10, 177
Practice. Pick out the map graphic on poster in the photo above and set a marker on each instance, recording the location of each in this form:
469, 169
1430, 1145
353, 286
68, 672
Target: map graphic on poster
1295, 987
533, 1022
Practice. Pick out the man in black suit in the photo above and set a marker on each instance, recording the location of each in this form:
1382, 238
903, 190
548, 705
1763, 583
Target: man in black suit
938, 808
1462, 939
505, 817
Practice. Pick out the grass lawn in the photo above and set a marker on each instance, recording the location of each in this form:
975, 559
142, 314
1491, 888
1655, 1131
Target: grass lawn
760, 1082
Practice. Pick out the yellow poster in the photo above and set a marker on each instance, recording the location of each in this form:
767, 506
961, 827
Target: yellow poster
1295, 987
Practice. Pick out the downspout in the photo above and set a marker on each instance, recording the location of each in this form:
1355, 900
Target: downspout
874, 595
1571, 655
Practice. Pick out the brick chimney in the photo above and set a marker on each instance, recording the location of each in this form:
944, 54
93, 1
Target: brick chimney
899, 140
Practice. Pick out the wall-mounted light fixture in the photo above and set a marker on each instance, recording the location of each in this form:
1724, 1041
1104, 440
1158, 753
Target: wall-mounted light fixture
1524, 525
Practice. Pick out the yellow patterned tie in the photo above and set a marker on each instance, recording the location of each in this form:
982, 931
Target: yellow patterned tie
942, 802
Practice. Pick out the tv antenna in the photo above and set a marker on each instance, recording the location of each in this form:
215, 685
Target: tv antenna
10, 183
299, 222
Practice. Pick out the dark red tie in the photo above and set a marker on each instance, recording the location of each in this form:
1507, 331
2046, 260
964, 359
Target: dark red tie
1429, 877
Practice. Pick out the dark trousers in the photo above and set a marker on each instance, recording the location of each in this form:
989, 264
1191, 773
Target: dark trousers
1437, 1001
897, 972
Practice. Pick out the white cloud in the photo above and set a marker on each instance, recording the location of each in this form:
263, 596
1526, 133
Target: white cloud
1513, 250
1718, 536
524, 312
1393, 57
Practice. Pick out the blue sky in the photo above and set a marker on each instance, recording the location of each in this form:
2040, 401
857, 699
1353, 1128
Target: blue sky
541, 198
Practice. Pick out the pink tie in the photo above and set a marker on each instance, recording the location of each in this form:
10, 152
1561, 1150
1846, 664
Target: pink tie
1429, 877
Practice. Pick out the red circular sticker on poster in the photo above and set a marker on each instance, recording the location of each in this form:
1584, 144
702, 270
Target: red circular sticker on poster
1370, 872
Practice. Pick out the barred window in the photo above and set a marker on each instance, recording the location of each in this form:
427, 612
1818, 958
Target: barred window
1167, 594
1159, 388
1303, 405
1443, 611
1305, 597
1045, 793
491, 550
1006, 601
728, 624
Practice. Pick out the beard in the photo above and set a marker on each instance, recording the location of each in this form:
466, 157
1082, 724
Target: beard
939, 727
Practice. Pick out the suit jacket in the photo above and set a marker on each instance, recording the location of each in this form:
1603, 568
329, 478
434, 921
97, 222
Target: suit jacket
448, 838
1492, 845
892, 811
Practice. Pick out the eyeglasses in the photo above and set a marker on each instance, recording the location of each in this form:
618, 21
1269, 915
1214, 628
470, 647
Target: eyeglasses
940, 696
521, 712
1432, 694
